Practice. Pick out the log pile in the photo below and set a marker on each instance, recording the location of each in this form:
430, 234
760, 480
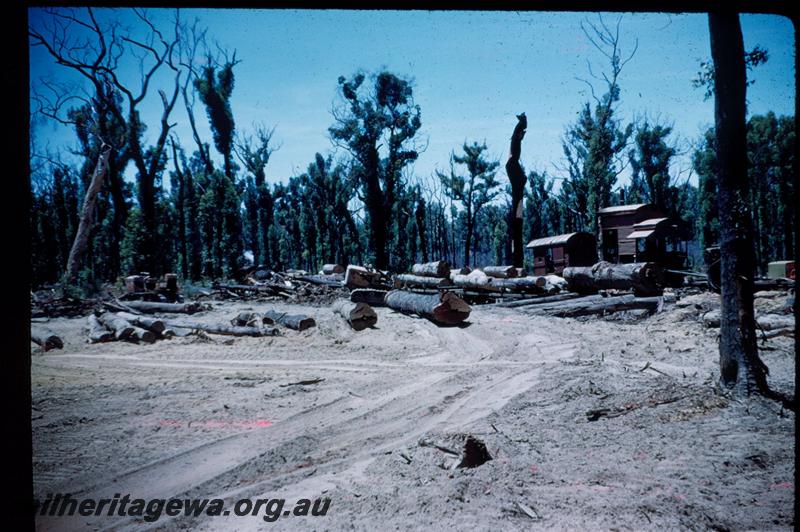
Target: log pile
769, 325
45, 338
595, 305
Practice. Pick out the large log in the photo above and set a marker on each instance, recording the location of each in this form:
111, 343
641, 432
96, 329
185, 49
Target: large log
151, 307
246, 319
539, 300
370, 296
445, 308
360, 277
229, 330
46, 339
97, 331
586, 306
476, 280
645, 278
464, 270
554, 284
298, 322
151, 324
439, 268
501, 272
323, 280
358, 315
766, 322
533, 285
407, 279
122, 328
328, 269
125, 330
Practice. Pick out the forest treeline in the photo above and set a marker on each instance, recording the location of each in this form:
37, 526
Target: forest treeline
185, 212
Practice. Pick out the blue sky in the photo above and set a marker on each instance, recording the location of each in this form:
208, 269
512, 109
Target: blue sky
472, 72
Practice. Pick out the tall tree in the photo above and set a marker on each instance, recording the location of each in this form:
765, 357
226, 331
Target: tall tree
214, 85
376, 124
254, 154
650, 160
594, 144
516, 176
474, 190
741, 369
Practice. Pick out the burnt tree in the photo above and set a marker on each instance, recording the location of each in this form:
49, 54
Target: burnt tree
741, 369
516, 175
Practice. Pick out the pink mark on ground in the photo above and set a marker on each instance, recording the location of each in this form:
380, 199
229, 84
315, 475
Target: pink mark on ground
534, 469
640, 456
217, 424
787, 485
679, 496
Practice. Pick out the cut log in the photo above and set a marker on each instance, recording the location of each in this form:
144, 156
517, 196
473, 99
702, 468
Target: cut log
247, 319
122, 328
359, 277
151, 324
476, 280
761, 285
645, 278
445, 308
369, 296
540, 300
46, 339
298, 322
151, 307
586, 306
407, 279
334, 279
501, 272
439, 268
359, 315
554, 284
531, 285
765, 322
328, 269
97, 331
464, 270
229, 330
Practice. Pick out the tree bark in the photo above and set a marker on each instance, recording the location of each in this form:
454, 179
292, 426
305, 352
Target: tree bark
97, 331
406, 279
501, 272
644, 278
298, 322
445, 308
516, 175
540, 300
358, 315
740, 366
151, 307
369, 296
359, 277
228, 330
124, 330
439, 268
328, 269
87, 217
151, 324
476, 280
535, 285
46, 339
597, 305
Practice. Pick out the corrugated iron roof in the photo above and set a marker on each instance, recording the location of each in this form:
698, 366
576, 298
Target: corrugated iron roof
550, 240
641, 234
619, 209
652, 222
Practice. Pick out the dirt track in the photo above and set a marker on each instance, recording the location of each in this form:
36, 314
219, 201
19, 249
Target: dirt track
209, 419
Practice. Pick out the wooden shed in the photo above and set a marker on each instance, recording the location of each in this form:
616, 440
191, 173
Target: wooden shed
554, 253
616, 225
662, 240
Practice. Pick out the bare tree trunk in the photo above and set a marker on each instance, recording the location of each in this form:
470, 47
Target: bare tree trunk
517, 178
740, 366
87, 215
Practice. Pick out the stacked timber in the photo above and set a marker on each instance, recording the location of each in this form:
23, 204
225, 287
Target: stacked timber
370, 296
360, 277
588, 305
445, 308
644, 278
329, 269
411, 280
439, 268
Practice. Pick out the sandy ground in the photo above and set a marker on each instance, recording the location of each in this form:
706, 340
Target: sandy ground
209, 418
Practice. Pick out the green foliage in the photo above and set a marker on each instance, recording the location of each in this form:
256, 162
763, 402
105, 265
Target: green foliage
473, 191
377, 124
650, 161
132, 243
215, 88
543, 213
705, 76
